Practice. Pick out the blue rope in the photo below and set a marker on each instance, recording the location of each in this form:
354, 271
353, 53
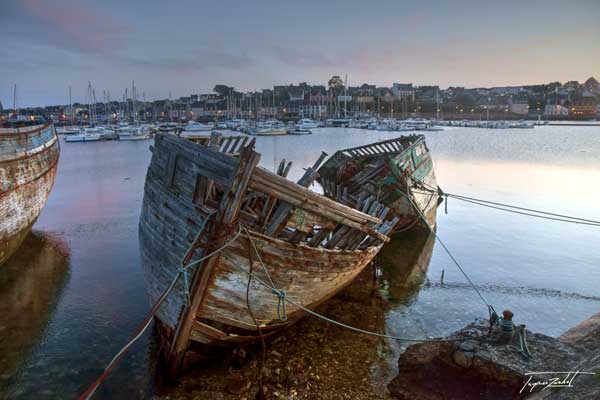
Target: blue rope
281, 312
281, 299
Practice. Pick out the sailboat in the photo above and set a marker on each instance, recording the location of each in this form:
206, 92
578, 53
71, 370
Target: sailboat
92, 133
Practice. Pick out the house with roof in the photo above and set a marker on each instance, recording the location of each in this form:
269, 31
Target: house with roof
403, 91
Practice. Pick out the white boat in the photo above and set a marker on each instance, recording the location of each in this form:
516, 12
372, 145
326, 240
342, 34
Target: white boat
133, 132
522, 125
83, 137
269, 128
194, 126
90, 134
68, 130
236, 124
307, 123
169, 127
299, 131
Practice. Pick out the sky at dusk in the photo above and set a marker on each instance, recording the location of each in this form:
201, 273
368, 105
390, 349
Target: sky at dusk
186, 47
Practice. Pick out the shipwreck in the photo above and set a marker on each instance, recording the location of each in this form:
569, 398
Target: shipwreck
29, 153
398, 172
254, 249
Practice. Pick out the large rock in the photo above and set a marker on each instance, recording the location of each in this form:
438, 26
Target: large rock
585, 336
472, 364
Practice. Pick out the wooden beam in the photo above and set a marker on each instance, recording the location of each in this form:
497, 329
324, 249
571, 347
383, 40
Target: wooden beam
282, 213
227, 215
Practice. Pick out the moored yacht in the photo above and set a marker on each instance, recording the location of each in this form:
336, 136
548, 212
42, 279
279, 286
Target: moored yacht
269, 128
307, 123
90, 134
134, 132
194, 126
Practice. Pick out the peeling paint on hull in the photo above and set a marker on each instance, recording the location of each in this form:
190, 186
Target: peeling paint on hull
28, 163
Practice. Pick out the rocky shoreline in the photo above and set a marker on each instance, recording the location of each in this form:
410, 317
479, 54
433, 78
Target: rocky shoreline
474, 363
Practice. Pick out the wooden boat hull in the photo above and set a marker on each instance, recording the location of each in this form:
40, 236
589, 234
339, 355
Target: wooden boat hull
28, 164
390, 170
308, 275
427, 202
310, 247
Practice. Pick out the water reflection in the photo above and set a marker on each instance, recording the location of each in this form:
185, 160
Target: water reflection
403, 263
514, 260
30, 284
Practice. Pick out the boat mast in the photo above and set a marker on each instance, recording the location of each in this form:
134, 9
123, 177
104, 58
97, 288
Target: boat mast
437, 104
346, 97
15, 108
95, 111
133, 97
70, 105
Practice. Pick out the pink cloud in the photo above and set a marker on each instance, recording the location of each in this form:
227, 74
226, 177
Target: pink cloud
74, 25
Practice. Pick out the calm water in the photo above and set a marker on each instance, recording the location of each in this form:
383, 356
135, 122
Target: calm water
73, 295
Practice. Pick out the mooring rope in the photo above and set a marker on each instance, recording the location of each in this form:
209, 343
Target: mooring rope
281, 311
148, 319
332, 321
490, 308
530, 212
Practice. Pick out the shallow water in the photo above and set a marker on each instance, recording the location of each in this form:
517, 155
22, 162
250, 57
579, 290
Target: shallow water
76, 292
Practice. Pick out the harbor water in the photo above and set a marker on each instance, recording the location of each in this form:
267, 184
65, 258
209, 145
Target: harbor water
74, 292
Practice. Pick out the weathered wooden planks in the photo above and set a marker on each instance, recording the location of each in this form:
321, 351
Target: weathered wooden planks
227, 214
176, 201
380, 169
28, 162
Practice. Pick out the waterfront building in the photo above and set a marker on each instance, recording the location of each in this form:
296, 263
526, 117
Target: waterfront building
506, 90
520, 107
556, 110
313, 110
587, 107
403, 91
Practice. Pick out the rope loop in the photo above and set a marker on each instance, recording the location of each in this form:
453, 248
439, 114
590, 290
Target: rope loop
281, 311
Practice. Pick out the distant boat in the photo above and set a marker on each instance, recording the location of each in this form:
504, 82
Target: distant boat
90, 134
338, 122
522, 125
299, 131
269, 128
170, 127
83, 137
194, 126
29, 153
306, 123
134, 132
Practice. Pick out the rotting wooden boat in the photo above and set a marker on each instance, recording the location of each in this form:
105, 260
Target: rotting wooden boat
29, 153
211, 196
398, 172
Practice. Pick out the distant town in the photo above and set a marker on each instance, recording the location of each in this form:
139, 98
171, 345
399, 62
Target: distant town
553, 101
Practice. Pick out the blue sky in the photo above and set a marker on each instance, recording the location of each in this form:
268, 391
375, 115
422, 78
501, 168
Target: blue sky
187, 47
